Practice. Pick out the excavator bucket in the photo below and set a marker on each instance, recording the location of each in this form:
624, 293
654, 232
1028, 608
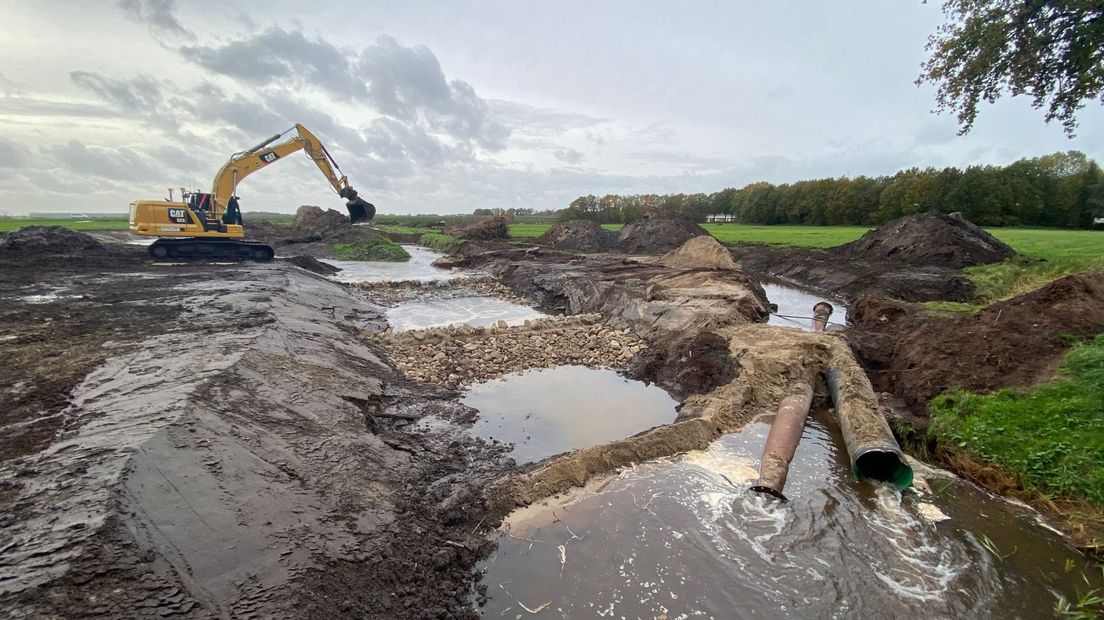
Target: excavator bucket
360, 210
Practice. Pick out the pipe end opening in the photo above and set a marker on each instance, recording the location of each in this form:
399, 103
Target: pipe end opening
886, 466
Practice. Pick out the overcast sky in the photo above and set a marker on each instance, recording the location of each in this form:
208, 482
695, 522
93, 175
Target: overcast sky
450, 106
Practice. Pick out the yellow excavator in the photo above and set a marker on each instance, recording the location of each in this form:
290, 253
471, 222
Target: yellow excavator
205, 225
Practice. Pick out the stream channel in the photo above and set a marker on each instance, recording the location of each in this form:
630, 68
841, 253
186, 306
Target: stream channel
682, 537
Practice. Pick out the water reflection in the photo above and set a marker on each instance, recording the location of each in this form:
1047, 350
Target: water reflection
476, 311
419, 268
795, 302
546, 412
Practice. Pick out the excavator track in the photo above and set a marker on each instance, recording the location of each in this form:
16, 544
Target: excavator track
192, 248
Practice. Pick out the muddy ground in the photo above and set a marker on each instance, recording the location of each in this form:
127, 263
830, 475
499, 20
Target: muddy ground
216, 440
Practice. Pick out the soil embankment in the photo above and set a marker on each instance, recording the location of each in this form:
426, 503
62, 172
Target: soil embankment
915, 353
931, 239
315, 233
205, 440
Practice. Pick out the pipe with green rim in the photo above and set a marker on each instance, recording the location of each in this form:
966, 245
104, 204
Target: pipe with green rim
870, 444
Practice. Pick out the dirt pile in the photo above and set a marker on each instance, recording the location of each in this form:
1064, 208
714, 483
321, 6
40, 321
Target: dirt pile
915, 353
490, 229
701, 252
929, 239
578, 236
657, 233
311, 220
312, 264
48, 241
685, 366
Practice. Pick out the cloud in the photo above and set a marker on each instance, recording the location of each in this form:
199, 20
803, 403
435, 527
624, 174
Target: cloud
404, 83
12, 155
158, 14
278, 54
117, 164
540, 121
570, 156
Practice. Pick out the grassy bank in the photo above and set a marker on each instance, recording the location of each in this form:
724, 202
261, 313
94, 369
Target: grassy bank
440, 242
1050, 438
375, 249
1046, 255
532, 231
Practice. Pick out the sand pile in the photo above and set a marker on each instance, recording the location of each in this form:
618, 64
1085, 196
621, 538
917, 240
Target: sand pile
658, 233
930, 239
702, 252
48, 241
578, 236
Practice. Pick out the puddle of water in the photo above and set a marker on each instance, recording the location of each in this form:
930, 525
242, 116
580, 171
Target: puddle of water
683, 538
419, 267
475, 311
546, 412
795, 302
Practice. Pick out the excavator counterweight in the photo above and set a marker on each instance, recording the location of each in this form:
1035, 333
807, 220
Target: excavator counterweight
206, 225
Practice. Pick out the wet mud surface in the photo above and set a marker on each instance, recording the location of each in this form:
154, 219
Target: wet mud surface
206, 440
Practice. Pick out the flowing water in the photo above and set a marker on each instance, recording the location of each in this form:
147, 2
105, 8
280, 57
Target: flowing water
795, 302
682, 538
473, 310
419, 267
546, 412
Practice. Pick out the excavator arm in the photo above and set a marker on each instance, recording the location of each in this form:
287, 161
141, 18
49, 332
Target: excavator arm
247, 162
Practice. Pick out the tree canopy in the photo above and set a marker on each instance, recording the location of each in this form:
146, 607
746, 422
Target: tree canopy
1058, 190
1050, 50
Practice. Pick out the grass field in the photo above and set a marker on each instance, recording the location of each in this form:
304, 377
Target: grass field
10, 225
1051, 438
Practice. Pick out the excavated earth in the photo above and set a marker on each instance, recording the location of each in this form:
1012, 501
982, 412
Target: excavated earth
219, 440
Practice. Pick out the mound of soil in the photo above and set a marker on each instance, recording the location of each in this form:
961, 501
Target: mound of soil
48, 241
312, 264
658, 233
490, 229
579, 236
702, 252
685, 366
915, 353
311, 220
930, 239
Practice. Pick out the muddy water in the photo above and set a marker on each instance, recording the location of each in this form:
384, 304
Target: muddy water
683, 538
419, 267
795, 302
546, 412
474, 310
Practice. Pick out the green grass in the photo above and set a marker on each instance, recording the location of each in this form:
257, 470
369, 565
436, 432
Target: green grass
375, 249
10, 225
440, 242
1051, 438
532, 231
1047, 254
804, 236
417, 230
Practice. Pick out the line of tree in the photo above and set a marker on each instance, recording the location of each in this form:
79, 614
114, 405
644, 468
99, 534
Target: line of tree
1059, 190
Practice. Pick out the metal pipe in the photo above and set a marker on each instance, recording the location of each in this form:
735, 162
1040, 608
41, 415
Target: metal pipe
822, 311
782, 440
866, 434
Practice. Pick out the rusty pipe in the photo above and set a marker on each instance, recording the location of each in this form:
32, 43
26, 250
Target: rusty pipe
782, 440
821, 312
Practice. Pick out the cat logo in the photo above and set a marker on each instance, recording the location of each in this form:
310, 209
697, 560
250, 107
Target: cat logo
269, 157
178, 216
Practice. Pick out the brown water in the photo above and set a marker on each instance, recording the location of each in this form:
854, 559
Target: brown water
682, 538
546, 412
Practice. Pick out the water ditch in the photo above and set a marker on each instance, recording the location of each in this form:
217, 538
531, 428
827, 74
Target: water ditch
683, 537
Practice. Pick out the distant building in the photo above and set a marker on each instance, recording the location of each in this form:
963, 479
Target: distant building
717, 218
